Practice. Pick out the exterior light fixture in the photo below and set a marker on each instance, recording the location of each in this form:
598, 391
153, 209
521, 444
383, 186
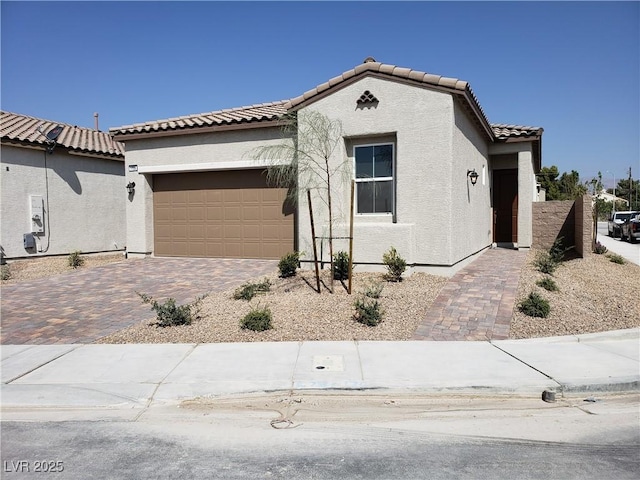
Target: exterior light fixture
473, 175
131, 186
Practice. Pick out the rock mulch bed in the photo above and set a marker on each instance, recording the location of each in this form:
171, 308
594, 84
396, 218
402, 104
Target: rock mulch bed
300, 313
595, 295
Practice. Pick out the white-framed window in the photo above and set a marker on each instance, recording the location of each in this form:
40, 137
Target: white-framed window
374, 172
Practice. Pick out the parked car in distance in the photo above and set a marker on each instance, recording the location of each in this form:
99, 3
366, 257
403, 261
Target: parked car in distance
630, 230
617, 219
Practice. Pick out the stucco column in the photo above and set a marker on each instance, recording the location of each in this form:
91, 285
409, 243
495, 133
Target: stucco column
526, 196
140, 216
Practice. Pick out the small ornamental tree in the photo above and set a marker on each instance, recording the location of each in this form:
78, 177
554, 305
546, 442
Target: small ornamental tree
306, 160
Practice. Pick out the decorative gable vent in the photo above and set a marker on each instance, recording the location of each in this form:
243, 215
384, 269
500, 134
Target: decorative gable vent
367, 99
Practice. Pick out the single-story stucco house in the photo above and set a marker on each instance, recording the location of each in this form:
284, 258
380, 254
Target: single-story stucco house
63, 189
413, 142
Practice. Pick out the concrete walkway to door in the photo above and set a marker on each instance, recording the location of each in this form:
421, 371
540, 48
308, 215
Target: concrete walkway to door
84, 305
477, 302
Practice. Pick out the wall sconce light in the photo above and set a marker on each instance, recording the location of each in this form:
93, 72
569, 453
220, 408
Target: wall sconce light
131, 186
473, 175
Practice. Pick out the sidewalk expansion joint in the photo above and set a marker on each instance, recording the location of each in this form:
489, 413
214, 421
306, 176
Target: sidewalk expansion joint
530, 366
41, 365
155, 390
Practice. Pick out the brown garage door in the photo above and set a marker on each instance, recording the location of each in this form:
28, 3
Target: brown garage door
229, 214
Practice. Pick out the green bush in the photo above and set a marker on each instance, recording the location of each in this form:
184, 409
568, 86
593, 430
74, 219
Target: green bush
557, 250
374, 290
258, 319
599, 248
368, 311
341, 266
615, 258
395, 264
75, 260
288, 264
548, 284
250, 290
169, 314
535, 306
545, 263
6, 272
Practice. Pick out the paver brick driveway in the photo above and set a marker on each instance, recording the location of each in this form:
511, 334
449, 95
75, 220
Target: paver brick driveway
84, 305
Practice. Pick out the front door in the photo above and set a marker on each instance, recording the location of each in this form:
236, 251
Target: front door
505, 206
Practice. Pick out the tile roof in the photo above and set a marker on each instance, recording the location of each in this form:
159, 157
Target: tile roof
274, 110
251, 113
25, 129
504, 132
371, 66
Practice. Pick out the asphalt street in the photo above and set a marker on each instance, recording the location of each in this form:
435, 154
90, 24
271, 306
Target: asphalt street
402, 438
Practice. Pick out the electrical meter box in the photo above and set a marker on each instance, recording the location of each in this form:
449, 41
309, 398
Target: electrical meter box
37, 214
29, 241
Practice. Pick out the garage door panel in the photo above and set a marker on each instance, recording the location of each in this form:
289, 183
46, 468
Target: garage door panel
233, 250
214, 233
179, 214
215, 213
197, 249
195, 197
214, 249
233, 212
251, 232
233, 195
252, 250
233, 233
213, 196
251, 214
221, 214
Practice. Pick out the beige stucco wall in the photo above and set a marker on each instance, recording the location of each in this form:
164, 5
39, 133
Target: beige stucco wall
86, 205
205, 151
438, 221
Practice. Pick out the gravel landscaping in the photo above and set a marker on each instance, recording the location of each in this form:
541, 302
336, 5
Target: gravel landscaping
594, 295
300, 313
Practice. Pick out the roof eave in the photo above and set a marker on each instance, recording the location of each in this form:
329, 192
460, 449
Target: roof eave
123, 136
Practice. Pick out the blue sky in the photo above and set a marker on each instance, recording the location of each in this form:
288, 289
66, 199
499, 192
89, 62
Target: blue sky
572, 68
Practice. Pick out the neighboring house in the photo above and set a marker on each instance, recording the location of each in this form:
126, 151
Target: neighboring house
411, 139
608, 197
59, 193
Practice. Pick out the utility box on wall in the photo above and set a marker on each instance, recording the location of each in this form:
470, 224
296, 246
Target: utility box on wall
29, 241
37, 214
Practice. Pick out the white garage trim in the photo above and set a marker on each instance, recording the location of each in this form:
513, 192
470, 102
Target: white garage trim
210, 167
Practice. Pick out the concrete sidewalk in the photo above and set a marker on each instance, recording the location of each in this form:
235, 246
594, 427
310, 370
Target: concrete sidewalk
135, 377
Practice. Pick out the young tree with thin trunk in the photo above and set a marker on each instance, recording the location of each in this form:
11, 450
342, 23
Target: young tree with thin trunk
305, 160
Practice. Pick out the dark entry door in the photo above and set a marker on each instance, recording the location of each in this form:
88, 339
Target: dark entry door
505, 205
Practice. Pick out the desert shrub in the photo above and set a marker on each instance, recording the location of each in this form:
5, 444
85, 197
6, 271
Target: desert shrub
535, 306
374, 290
615, 258
545, 263
5, 271
557, 250
75, 260
341, 266
395, 264
599, 248
258, 319
250, 290
368, 311
168, 314
548, 284
288, 264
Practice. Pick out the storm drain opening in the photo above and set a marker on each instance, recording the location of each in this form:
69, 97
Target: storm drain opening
330, 363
